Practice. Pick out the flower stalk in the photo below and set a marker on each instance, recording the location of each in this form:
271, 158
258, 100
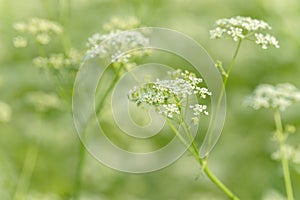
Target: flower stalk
284, 160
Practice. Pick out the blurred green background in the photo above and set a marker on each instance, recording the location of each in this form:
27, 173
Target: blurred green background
241, 159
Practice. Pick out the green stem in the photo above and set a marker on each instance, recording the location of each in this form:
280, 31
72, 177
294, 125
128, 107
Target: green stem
222, 91
202, 162
26, 172
284, 160
232, 63
64, 15
218, 183
82, 150
79, 170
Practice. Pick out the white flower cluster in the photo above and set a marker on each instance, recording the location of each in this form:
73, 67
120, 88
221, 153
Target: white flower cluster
5, 112
43, 101
115, 49
125, 23
268, 96
167, 95
105, 47
59, 61
169, 110
240, 27
198, 109
40, 29
291, 153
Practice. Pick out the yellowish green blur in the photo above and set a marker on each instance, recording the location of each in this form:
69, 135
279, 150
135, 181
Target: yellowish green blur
39, 147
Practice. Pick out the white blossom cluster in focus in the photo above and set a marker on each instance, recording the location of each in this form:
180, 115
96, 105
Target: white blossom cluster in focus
117, 40
40, 29
167, 96
240, 27
279, 96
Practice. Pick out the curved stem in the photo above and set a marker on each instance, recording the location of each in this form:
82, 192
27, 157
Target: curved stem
218, 183
82, 150
222, 92
201, 161
232, 63
284, 159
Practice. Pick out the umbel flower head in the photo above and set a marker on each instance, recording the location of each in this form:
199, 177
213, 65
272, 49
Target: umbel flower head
239, 28
279, 96
101, 45
59, 61
167, 96
40, 29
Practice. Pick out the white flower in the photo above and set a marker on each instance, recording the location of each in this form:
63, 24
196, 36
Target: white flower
198, 109
217, 33
239, 28
57, 61
105, 47
5, 112
20, 42
280, 96
43, 38
20, 27
40, 62
169, 110
266, 40
287, 150
43, 101
124, 23
40, 29
167, 95
292, 154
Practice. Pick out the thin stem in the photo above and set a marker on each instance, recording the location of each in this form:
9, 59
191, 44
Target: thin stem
181, 138
218, 183
222, 91
232, 63
79, 171
64, 15
82, 150
284, 160
202, 162
26, 172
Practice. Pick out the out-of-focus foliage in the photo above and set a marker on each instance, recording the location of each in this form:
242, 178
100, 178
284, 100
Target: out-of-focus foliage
242, 157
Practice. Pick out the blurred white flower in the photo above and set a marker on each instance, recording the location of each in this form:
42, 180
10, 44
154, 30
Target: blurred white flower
59, 61
43, 38
40, 29
105, 47
5, 112
124, 23
280, 96
43, 101
20, 42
